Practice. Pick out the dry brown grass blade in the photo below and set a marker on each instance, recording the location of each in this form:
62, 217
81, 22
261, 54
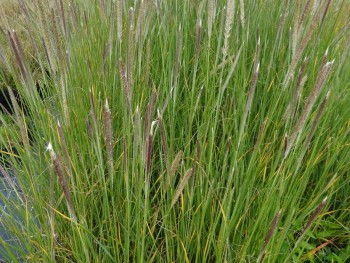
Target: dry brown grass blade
318, 248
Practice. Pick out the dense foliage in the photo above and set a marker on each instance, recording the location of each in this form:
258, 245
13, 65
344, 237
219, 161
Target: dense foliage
187, 131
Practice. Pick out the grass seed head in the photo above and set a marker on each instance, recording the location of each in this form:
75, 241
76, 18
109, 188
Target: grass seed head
230, 12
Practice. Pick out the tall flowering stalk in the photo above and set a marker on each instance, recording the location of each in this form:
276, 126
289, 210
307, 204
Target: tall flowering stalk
173, 168
252, 89
64, 147
211, 15
131, 44
108, 136
149, 149
241, 5
181, 186
177, 62
125, 85
63, 181
307, 227
301, 45
230, 12
19, 119
272, 229
321, 78
19, 56
120, 20
163, 140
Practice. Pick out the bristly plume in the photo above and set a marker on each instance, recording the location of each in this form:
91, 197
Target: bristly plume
63, 19
120, 20
64, 147
103, 7
196, 56
306, 228
80, 156
230, 12
93, 111
63, 182
195, 162
108, 136
314, 215
19, 55
19, 119
125, 158
252, 89
137, 137
316, 120
89, 127
141, 19
272, 229
173, 168
148, 115
297, 91
301, 47
131, 45
198, 41
181, 186
261, 131
285, 144
321, 78
64, 101
163, 139
177, 61
149, 150
148, 63
126, 87
295, 26
241, 5
303, 15
211, 17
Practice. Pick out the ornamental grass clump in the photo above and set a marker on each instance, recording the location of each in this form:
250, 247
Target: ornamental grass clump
189, 131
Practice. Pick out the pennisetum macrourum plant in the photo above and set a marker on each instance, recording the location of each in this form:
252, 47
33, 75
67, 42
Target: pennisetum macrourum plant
162, 131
